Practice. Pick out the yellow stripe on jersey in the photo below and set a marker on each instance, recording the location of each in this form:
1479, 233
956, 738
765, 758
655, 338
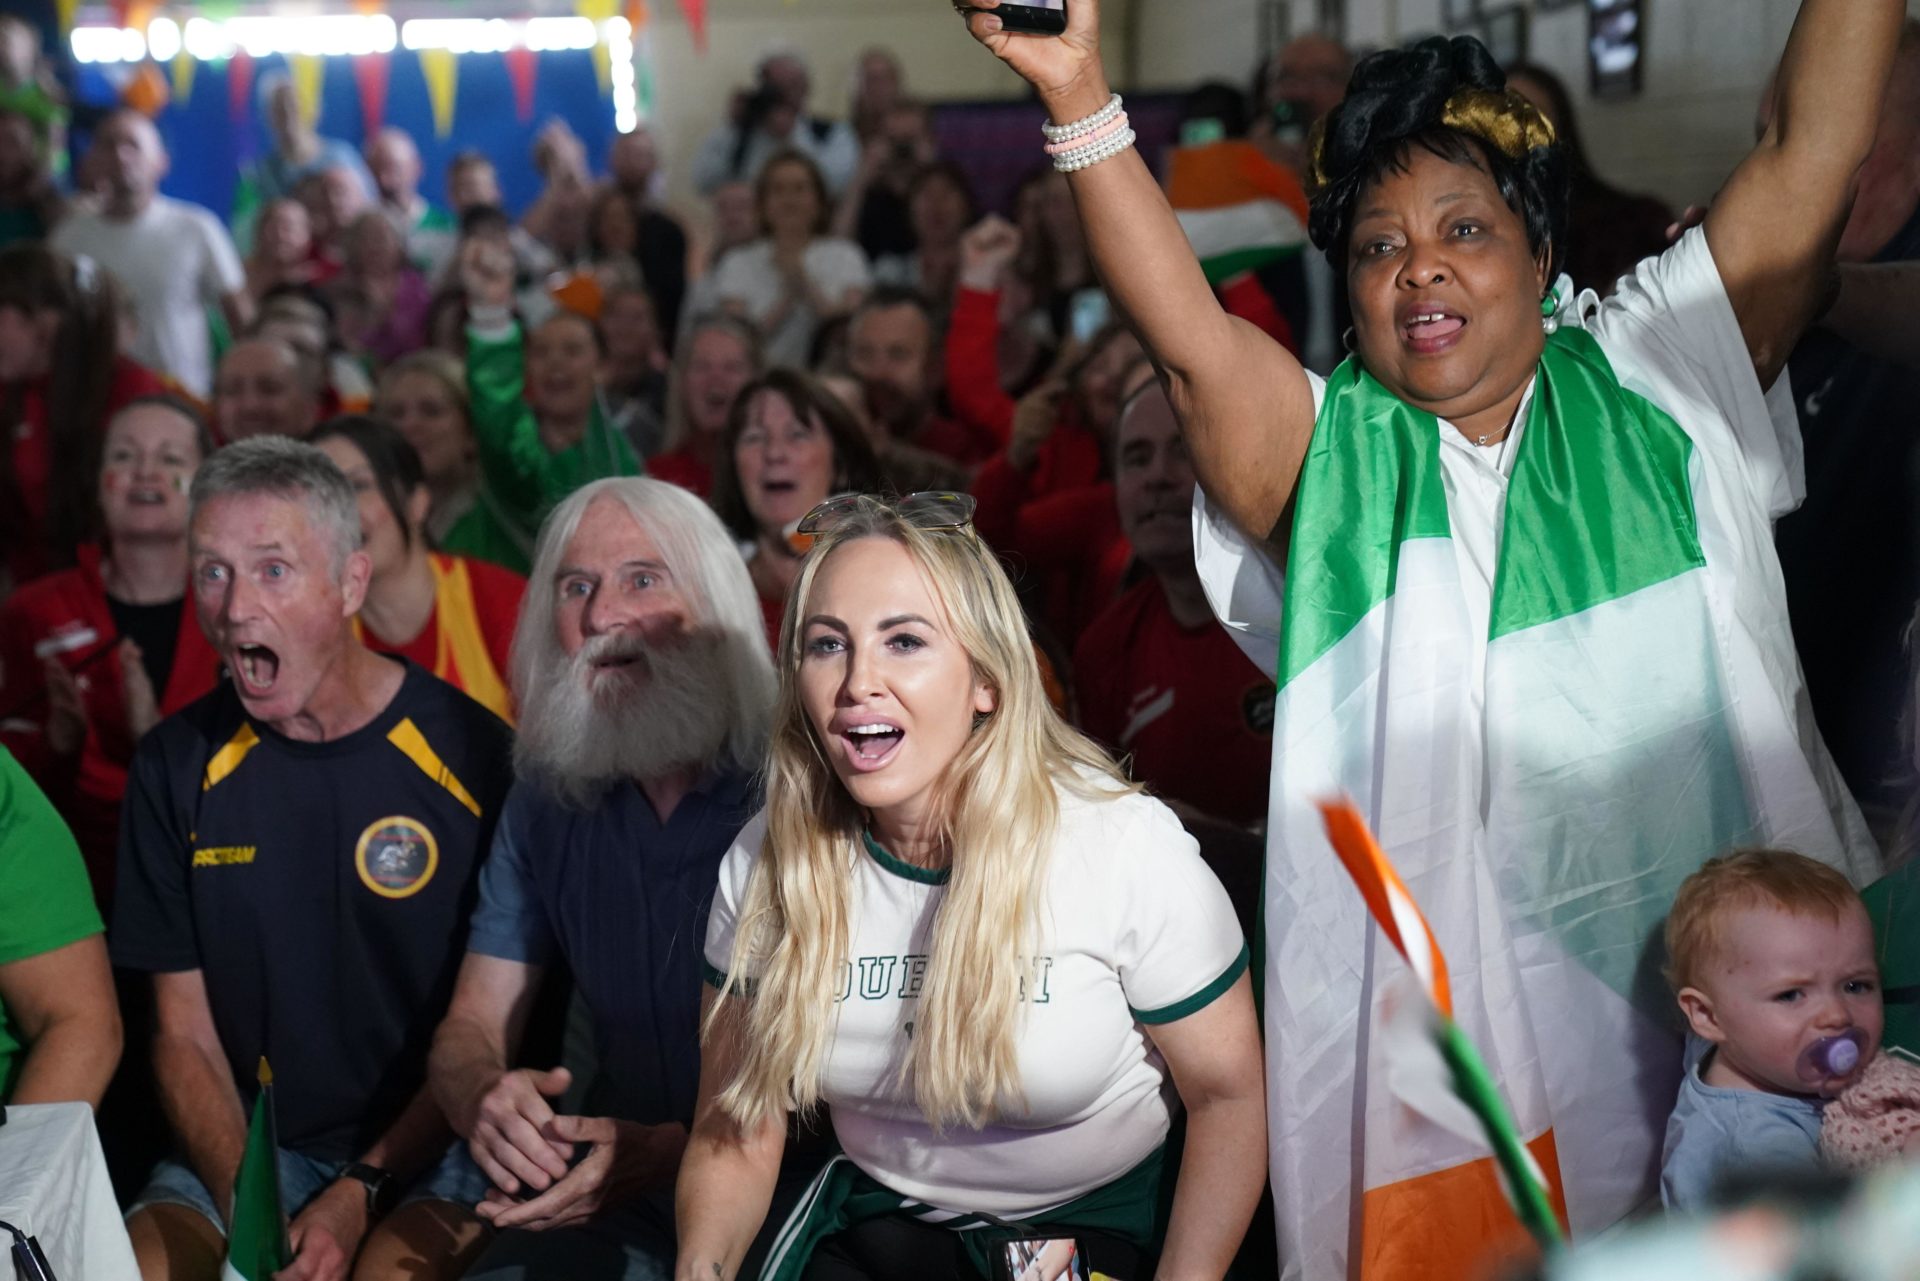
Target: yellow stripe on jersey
227, 759
407, 737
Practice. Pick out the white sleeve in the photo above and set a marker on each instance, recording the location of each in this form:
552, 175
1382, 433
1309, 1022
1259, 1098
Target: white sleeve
222, 273
1670, 327
840, 265
1179, 945
732, 276
723, 918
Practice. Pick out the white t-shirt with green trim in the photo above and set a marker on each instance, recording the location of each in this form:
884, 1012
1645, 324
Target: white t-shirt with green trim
1135, 930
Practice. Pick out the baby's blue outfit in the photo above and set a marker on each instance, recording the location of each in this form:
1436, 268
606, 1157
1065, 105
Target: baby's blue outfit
1715, 1131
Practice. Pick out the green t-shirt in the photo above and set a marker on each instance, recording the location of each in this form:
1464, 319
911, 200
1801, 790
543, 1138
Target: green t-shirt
48, 901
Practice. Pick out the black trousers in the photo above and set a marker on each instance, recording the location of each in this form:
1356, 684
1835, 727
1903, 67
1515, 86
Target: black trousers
895, 1248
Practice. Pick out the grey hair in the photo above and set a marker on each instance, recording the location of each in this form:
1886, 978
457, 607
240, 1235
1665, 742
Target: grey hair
705, 563
678, 428
289, 469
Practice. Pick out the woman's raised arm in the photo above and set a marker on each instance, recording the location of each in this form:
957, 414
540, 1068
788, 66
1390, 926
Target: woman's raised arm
1244, 402
1774, 228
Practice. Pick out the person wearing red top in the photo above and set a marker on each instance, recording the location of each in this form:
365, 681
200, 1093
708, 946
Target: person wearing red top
1155, 677
892, 350
451, 615
718, 355
60, 367
91, 657
791, 445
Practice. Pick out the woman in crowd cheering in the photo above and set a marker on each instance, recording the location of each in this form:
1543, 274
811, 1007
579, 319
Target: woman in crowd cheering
1533, 620
957, 926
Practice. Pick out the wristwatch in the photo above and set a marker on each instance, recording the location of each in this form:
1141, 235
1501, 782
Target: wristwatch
382, 1189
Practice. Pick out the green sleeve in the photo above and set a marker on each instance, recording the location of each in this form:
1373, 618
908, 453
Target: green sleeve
48, 901
513, 460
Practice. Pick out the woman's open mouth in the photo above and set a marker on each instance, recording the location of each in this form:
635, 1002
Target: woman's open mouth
870, 747
256, 667
1432, 331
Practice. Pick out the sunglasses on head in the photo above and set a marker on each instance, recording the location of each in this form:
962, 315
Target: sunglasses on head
931, 509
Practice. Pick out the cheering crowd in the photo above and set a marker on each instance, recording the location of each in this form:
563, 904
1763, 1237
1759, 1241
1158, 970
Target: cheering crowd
787, 749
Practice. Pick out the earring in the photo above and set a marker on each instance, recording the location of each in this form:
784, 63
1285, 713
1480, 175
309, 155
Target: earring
1346, 340
1549, 315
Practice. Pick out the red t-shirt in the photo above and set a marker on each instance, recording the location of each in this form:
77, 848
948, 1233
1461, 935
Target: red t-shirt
1185, 703
496, 608
33, 459
683, 469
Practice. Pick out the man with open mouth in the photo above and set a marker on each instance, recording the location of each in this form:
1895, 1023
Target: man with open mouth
297, 864
644, 688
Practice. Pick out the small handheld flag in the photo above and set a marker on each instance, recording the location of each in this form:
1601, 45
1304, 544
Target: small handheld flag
257, 1235
1401, 921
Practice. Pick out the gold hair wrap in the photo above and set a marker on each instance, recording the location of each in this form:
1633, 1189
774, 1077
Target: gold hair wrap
1504, 121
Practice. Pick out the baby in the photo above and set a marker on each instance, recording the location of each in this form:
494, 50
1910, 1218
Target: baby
1771, 956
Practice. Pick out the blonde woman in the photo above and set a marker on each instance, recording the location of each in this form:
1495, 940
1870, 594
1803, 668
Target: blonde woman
957, 926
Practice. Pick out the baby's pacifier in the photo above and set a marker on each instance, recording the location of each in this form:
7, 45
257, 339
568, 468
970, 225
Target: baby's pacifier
1833, 1057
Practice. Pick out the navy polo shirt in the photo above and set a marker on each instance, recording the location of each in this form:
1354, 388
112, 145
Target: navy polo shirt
622, 898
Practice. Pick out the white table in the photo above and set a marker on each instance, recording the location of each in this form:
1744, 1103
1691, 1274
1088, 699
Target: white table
54, 1186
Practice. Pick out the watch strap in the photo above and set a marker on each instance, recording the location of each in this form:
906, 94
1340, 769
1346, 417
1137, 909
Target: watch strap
382, 1189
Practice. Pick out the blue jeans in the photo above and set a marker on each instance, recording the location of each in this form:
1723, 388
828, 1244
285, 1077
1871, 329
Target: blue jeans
302, 1178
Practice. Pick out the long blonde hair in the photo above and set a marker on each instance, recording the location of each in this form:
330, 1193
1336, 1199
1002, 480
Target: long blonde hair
998, 807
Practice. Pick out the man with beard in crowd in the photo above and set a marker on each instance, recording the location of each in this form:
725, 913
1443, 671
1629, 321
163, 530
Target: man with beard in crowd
645, 688
892, 350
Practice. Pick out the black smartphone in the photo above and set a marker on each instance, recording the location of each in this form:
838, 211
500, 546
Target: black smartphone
1038, 18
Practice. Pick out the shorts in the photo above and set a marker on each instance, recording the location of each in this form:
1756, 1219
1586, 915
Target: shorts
302, 1178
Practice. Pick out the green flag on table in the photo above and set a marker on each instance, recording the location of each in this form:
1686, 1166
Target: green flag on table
257, 1236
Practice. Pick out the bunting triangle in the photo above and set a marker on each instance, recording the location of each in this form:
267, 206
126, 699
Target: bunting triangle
522, 67
370, 77
442, 74
696, 15
183, 66
309, 71
598, 11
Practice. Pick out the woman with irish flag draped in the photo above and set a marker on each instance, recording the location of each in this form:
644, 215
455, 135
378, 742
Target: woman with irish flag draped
1531, 621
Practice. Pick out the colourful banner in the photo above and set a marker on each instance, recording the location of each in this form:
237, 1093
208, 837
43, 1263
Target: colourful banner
696, 14
308, 70
442, 74
184, 65
598, 12
240, 90
522, 69
370, 76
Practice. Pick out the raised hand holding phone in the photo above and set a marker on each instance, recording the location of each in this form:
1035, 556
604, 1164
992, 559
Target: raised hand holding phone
1063, 68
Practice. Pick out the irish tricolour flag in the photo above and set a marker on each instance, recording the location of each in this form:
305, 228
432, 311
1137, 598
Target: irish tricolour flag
257, 1237
1239, 209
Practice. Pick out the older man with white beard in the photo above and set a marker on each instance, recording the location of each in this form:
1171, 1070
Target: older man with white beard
644, 687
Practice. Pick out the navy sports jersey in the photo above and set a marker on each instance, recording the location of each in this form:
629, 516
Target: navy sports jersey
323, 888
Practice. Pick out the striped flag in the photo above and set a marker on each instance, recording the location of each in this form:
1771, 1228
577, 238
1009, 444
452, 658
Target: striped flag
1240, 210
257, 1237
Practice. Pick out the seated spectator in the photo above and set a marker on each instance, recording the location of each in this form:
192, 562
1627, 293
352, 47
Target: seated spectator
381, 300
283, 250
59, 1025
1054, 263
875, 210
264, 389
1772, 959
1157, 680
171, 259
1044, 962
425, 396
298, 149
634, 373
297, 862
559, 217
62, 376
796, 277
893, 349
302, 317
1608, 230
633, 159
646, 688
473, 189
790, 446
334, 197
772, 118
879, 87
92, 657
994, 351
717, 357
537, 416
940, 206
30, 201
394, 162
448, 614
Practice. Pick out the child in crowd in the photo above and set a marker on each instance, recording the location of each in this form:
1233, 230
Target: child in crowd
1771, 956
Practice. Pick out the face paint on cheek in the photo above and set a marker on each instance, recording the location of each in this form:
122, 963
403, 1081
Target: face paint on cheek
113, 481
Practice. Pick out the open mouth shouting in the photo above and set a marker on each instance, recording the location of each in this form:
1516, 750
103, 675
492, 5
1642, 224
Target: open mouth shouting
870, 743
146, 496
1429, 328
256, 667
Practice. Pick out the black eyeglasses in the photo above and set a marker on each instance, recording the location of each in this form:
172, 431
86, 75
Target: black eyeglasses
930, 509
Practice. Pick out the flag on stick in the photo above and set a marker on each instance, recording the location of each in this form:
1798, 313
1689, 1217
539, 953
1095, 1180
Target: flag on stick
1465, 1075
257, 1237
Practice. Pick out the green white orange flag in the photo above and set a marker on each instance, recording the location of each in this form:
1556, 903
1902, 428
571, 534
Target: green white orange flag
1240, 210
257, 1236
1430, 1060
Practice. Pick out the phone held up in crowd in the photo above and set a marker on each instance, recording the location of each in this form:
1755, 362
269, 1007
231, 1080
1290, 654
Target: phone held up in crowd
1041, 18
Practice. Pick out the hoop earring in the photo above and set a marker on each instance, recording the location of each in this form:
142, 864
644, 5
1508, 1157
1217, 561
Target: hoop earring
1346, 340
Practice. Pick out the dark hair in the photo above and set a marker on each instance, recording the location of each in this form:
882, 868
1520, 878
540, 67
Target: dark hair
887, 297
952, 174
468, 158
792, 156
1396, 101
608, 196
202, 432
305, 294
484, 218
86, 343
855, 467
1216, 100
396, 466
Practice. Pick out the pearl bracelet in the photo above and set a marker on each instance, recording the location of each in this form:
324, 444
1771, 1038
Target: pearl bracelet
1116, 125
1086, 157
1084, 125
